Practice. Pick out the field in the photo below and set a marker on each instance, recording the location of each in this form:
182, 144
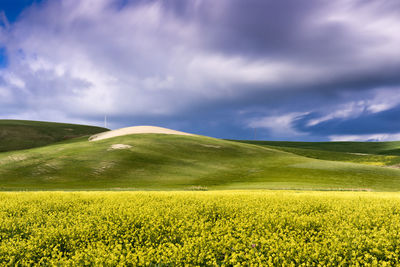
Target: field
200, 228
172, 162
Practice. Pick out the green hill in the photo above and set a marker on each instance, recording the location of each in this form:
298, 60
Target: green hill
371, 153
379, 148
20, 134
159, 161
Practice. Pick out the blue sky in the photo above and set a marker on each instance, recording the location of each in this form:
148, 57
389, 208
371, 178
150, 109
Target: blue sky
13, 8
311, 70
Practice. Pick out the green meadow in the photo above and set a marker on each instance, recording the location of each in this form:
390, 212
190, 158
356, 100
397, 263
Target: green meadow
175, 162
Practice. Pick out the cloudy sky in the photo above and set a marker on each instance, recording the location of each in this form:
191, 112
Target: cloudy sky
309, 70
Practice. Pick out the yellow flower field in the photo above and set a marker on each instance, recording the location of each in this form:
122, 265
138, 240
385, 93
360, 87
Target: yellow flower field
200, 228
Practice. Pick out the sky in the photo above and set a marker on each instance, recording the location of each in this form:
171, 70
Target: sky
300, 70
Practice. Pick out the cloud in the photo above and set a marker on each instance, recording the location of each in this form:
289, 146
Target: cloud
313, 69
366, 137
375, 101
279, 126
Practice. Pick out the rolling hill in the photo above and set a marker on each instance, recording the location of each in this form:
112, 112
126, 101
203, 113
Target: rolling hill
379, 148
370, 153
20, 134
167, 162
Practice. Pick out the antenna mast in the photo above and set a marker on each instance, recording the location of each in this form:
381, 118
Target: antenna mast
105, 121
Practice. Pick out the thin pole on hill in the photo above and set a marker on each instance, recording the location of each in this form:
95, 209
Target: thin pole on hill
255, 133
105, 121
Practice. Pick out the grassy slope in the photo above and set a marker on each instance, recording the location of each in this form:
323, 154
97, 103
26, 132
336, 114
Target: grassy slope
371, 153
19, 134
178, 162
379, 148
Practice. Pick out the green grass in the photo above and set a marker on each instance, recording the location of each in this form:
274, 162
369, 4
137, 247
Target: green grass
168, 162
378, 148
19, 134
60, 157
371, 153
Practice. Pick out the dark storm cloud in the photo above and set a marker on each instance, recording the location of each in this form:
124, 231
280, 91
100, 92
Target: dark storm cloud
294, 70
269, 28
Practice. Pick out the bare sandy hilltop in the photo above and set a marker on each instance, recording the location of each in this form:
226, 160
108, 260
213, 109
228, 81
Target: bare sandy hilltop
135, 130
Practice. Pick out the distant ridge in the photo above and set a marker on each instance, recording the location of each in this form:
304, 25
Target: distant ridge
135, 130
23, 134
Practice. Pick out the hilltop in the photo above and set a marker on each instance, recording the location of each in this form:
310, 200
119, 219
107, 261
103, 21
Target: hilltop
135, 130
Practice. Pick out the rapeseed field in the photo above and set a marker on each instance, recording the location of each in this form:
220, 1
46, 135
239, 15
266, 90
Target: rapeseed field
225, 228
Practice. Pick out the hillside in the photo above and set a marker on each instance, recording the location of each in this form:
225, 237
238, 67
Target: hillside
160, 161
378, 148
20, 134
370, 153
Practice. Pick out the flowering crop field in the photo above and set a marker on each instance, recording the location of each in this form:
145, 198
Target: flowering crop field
200, 228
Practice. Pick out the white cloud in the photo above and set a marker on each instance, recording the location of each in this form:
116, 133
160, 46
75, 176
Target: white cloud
373, 24
377, 100
234, 70
13, 80
366, 137
384, 99
348, 110
279, 125
5, 95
